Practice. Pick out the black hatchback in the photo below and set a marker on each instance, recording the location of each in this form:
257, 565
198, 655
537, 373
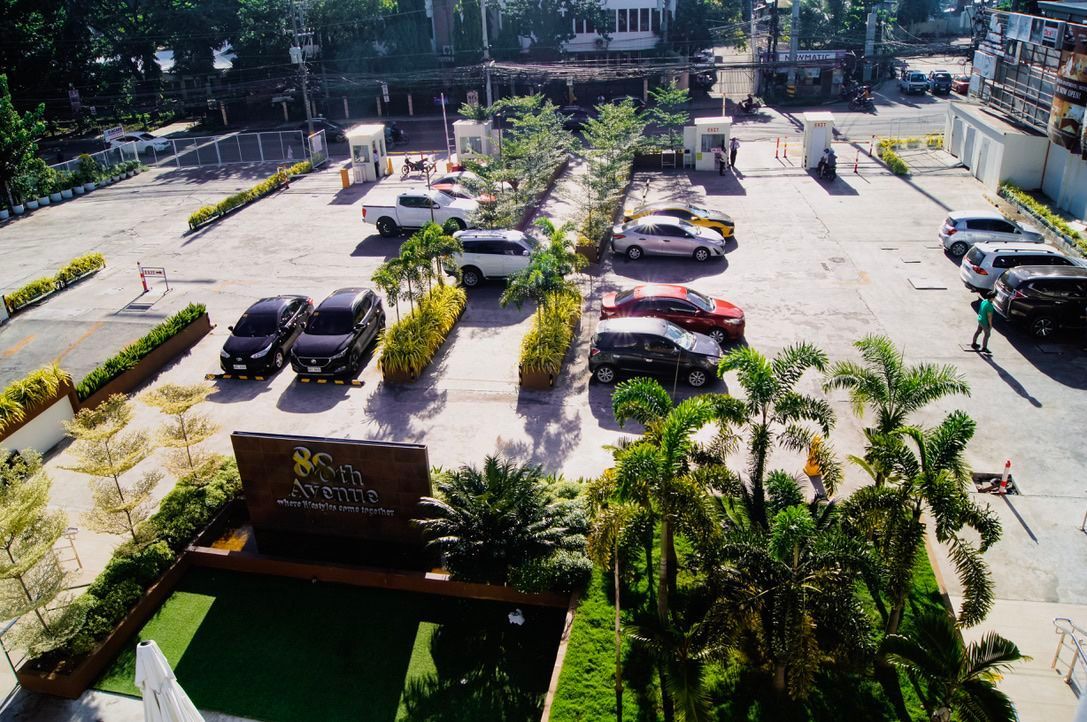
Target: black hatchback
338, 333
263, 336
652, 346
1044, 299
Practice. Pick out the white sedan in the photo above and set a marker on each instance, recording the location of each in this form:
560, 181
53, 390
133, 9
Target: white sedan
144, 142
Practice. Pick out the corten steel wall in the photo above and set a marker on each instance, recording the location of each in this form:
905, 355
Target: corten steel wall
337, 488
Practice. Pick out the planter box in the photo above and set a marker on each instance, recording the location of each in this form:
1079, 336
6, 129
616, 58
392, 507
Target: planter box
19, 209
89, 186
55, 197
152, 363
43, 426
397, 377
79, 190
32, 205
44, 201
5, 214
71, 683
539, 380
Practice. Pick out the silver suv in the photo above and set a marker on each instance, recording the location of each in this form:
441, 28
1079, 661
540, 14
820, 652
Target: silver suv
963, 229
491, 254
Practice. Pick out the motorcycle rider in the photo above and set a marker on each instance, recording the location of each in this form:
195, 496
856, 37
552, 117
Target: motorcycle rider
748, 104
828, 162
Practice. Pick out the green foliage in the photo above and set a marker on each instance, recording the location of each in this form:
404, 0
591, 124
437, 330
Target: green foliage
31, 292
544, 346
668, 113
564, 571
39, 287
79, 266
894, 162
88, 170
547, 21
611, 139
24, 394
268, 185
407, 346
18, 146
300, 168
1044, 213
132, 354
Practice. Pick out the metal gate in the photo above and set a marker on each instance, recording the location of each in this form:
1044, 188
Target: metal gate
318, 149
735, 83
281, 146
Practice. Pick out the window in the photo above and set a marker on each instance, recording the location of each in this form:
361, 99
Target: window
644, 14
622, 13
674, 305
709, 142
512, 249
621, 341
362, 309
979, 224
656, 15
471, 144
675, 213
415, 201
1005, 262
976, 256
660, 346
1003, 227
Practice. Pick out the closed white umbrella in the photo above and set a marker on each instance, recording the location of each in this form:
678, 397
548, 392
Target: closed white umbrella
163, 698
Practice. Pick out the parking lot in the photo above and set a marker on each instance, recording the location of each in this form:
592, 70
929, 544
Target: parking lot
825, 263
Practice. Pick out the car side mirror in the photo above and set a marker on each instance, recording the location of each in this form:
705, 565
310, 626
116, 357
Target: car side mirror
230, 328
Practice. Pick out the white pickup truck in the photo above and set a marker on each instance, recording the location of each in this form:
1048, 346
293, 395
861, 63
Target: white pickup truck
414, 209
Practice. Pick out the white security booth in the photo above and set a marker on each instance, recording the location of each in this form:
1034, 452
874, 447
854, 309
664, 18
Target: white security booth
709, 133
367, 144
818, 135
473, 137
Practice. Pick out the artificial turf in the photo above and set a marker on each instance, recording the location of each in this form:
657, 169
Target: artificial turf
281, 650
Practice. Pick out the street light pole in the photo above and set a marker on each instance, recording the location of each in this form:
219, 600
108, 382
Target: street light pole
486, 50
300, 58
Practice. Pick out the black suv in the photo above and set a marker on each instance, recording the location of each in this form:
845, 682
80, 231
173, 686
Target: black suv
1045, 299
338, 332
265, 333
652, 346
939, 81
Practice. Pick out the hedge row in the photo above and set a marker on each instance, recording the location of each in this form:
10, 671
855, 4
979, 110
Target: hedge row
409, 344
266, 186
894, 163
544, 346
183, 513
23, 394
1044, 213
41, 286
133, 353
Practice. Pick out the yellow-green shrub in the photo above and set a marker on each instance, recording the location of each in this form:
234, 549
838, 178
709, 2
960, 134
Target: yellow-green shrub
544, 346
300, 168
31, 292
23, 394
894, 163
408, 345
229, 203
1043, 212
76, 267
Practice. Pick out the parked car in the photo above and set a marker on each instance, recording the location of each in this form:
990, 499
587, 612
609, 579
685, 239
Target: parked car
338, 333
720, 222
462, 181
414, 209
664, 236
333, 132
263, 336
574, 117
961, 84
685, 307
912, 81
1043, 299
456, 190
490, 254
939, 82
652, 346
144, 142
986, 262
963, 229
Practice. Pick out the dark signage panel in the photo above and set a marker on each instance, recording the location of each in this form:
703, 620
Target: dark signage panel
314, 486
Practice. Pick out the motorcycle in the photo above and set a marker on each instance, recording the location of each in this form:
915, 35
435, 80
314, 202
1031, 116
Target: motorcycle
425, 164
394, 134
750, 108
828, 168
862, 102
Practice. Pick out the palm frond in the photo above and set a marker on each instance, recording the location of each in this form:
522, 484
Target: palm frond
991, 655
975, 579
641, 399
792, 361
980, 701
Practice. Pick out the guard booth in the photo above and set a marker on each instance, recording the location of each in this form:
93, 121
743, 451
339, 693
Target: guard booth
709, 133
818, 135
473, 137
367, 144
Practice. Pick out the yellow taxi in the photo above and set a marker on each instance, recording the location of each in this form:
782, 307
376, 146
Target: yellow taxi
720, 222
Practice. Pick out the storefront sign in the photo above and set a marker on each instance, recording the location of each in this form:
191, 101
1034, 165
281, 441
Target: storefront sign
332, 487
1066, 115
808, 56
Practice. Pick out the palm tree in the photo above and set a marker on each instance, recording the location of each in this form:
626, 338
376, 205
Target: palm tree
683, 649
955, 679
610, 519
485, 521
773, 412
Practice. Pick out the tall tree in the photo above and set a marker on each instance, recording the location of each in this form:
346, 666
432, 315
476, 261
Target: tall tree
550, 23
187, 427
106, 452
954, 679
669, 113
18, 134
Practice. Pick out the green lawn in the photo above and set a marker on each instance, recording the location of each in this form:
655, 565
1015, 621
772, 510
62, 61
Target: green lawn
282, 650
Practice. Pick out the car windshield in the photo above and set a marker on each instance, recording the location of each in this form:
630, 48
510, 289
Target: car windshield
624, 296
147, 136
699, 300
917, 76
443, 199
256, 324
942, 76
700, 212
685, 225
975, 256
330, 323
683, 339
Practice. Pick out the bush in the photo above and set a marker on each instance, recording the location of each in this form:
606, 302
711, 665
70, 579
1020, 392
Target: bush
545, 345
190, 506
1043, 213
130, 355
87, 170
564, 571
31, 292
229, 203
62, 181
24, 394
300, 168
894, 163
408, 345
79, 266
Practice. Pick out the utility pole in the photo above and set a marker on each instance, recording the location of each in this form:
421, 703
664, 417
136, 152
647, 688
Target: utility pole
486, 50
299, 56
869, 45
775, 30
794, 44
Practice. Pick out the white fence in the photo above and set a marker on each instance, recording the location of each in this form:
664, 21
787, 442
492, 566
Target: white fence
287, 146
104, 158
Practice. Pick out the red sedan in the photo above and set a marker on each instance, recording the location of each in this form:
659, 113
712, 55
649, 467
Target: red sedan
961, 84
683, 306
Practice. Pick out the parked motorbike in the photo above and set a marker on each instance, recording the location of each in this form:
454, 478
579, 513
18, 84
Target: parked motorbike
425, 164
828, 168
862, 101
750, 107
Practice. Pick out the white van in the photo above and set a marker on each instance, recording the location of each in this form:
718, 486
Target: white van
491, 254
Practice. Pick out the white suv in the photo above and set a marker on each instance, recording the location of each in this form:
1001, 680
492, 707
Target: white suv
491, 254
963, 229
987, 262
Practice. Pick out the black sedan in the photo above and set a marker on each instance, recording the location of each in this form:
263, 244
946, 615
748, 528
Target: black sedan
263, 336
333, 132
574, 117
338, 333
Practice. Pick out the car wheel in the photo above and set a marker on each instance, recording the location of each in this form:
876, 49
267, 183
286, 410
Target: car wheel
459, 223
634, 253
386, 227
470, 277
701, 255
697, 378
719, 336
1043, 326
605, 373
278, 360
958, 249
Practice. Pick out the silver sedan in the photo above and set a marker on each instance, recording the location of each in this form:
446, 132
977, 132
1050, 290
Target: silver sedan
664, 236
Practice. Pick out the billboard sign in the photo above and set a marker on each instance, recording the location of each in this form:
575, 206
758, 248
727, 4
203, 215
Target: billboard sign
113, 133
332, 487
1066, 115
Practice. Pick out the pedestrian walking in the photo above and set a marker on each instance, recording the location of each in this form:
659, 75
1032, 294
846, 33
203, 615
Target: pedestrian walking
733, 146
985, 323
719, 158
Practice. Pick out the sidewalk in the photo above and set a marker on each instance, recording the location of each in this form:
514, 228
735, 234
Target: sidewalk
92, 706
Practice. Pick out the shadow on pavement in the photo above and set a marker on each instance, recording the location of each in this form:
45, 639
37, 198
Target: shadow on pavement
377, 246
347, 196
668, 269
1058, 358
836, 187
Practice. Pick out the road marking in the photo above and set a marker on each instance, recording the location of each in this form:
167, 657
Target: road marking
71, 347
239, 377
8, 353
338, 382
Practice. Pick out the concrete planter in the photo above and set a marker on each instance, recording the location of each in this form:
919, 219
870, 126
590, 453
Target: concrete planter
19, 209
66, 194
42, 427
44, 201
79, 190
32, 205
55, 197
152, 363
89, 186
397, 377
538, 380
4, 214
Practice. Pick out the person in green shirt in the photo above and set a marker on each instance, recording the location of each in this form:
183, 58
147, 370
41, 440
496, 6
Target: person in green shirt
985, 323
